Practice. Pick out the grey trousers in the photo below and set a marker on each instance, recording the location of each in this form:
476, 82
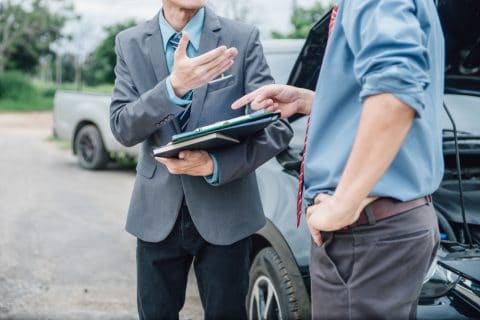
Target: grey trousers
374, 271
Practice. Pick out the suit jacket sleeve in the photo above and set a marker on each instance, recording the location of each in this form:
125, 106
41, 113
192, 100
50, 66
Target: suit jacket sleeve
134, 117
243, 159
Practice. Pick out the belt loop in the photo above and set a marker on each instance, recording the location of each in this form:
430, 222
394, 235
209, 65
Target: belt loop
429, 199
370, 216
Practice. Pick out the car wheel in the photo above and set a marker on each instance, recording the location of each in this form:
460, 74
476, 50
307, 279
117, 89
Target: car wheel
271, 293
91, 152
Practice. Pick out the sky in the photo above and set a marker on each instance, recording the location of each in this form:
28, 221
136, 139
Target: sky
268, 15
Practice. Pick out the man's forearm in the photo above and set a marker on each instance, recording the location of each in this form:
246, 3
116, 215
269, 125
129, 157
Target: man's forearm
134, 118
384, 124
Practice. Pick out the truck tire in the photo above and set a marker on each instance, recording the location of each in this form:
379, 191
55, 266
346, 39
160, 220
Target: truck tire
271, 293
91, 152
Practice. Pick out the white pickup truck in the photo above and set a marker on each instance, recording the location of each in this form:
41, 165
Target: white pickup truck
84, 118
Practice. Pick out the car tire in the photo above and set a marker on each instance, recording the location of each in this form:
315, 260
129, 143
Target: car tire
91, 152
271, 292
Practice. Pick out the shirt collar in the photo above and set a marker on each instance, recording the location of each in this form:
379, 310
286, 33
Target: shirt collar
194, 29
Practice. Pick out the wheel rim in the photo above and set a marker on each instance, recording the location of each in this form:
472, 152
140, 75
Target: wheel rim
264, 303
87, 148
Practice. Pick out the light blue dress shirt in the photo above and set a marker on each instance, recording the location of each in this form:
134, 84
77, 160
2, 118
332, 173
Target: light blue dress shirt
194, 29
379, 46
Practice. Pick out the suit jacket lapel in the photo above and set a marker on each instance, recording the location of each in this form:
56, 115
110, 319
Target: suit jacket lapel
209, 41
155, 49
156, 53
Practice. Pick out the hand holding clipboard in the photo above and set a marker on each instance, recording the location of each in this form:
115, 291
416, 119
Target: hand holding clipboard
219, 134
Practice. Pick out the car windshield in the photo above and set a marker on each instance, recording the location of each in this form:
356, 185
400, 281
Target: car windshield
461, 26
281, 64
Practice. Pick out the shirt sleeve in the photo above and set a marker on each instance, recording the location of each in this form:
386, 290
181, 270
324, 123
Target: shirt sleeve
389, 48
186, 100
213, 179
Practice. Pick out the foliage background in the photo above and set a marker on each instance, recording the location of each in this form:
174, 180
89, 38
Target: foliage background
37, 55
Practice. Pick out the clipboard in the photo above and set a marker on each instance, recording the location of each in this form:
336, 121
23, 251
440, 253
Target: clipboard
218, 135
206, 142
237, 128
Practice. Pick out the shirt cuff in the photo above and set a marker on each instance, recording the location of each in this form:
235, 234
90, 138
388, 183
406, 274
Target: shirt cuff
213, 179
173, 97
405, 86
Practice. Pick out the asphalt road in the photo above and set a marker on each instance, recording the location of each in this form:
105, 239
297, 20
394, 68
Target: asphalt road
64, 253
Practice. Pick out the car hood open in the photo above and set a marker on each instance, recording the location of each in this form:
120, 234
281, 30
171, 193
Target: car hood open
461, 24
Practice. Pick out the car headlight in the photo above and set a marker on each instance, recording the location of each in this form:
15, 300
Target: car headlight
431, 271
444, 274
438, 272
459, 284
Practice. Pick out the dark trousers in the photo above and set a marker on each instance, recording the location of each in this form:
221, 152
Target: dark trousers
374, 271
162, 272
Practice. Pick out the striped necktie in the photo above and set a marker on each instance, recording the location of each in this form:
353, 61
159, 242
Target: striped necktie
184, 118
302, 167
175, 40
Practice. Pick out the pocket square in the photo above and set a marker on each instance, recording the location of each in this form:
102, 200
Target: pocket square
221, 78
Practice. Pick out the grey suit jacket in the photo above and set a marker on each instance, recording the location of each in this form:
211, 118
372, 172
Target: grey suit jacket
141, 112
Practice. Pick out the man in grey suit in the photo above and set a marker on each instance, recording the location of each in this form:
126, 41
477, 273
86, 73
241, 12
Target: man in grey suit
175, 73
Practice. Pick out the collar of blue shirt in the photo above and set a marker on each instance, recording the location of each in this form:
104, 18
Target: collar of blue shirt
194, 29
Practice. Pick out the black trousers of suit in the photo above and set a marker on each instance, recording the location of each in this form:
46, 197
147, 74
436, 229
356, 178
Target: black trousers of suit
162, 272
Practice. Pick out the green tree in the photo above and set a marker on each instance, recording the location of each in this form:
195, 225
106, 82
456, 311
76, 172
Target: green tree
28, 28
101, 62
303, 20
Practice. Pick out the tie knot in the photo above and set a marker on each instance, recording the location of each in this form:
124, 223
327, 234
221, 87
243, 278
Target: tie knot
175, 40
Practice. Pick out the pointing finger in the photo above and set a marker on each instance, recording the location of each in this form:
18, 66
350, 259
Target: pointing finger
262, 100
257, 98
246, 99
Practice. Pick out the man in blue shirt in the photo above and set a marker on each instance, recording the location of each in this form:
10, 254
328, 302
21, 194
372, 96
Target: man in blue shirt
175, 73
373, 157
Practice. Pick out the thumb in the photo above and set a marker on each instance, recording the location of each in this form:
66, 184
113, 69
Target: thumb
182, 46
185, 155
317, 238
321, 198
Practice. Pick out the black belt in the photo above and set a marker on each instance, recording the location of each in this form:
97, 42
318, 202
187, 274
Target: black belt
383, 208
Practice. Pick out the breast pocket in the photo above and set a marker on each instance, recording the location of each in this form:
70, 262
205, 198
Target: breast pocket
219, 84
